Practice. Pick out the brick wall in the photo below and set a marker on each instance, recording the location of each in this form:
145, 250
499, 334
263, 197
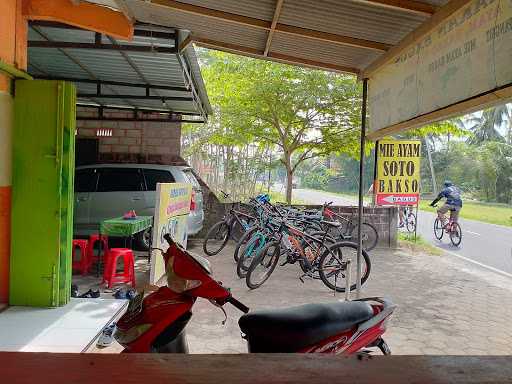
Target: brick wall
133, 141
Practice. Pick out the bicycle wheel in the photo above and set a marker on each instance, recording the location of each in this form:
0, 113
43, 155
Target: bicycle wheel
243, 240
216, 238
333, 266
456, 234
237, 231
317, 250
438, 229
411, 222
263, 265
369, 234
249, 252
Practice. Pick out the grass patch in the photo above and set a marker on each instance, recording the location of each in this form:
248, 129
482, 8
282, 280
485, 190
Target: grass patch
420, 245
500, 214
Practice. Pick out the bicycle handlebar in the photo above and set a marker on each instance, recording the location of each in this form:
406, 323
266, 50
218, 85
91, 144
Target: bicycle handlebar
237, 304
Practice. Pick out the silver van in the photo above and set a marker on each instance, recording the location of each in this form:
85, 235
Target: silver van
105, 191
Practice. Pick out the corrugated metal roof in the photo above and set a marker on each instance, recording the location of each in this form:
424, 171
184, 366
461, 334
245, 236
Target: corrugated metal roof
151, 68
331, 22
383, 25
242, 26
231, 33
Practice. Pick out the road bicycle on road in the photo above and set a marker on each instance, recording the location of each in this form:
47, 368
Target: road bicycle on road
448, 226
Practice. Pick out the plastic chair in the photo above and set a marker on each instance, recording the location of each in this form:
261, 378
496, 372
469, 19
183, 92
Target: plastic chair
83, 264
93, 239
127, 276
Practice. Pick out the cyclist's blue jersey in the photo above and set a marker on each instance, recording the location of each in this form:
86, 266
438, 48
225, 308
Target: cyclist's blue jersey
452, 195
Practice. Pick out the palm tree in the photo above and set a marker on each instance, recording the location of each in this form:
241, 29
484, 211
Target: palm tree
486, 126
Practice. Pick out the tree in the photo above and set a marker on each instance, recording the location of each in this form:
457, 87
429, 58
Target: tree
485, 126
304, 113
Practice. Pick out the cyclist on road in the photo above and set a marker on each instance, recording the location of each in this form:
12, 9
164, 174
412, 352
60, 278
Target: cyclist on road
453, 202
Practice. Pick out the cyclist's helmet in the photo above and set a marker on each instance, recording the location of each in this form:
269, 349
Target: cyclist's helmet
448, 183
263, 198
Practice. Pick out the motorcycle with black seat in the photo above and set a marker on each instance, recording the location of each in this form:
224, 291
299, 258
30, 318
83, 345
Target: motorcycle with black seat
156, 323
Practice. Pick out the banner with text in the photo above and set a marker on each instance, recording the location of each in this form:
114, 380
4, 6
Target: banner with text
468, 54
398, 172
171, 216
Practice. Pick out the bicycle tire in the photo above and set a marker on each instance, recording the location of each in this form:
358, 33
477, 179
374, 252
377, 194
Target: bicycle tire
458, 231
411, 224
244, 239
370, 236
211, 235
438, 229
258, 260
248, 253
328, 253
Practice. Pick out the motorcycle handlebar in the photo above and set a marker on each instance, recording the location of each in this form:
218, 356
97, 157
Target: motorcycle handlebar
237, 304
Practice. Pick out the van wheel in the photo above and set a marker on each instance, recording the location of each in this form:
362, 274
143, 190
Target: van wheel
143, 239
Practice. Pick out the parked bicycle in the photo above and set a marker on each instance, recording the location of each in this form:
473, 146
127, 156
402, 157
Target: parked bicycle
409, 218
318, 256
348, 228
232, 226
448, 226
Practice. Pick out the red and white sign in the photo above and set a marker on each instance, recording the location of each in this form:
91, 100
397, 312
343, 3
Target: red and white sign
403, 199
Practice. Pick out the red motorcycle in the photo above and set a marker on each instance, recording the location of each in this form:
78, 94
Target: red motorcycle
157, 322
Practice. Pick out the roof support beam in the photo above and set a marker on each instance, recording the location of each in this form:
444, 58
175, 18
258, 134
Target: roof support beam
112, 47
132, 97
233, 48
277, 13
413, 37
154, 120
267, 25
411, 6
141, 110
84, 15
114, 83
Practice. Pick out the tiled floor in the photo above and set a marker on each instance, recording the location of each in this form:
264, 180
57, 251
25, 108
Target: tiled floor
70, 328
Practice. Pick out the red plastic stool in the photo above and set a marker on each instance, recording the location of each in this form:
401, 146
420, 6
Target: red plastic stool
83, 264
110, 275
93, 239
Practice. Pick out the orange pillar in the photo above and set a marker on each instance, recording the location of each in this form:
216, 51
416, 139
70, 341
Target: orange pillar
13, 50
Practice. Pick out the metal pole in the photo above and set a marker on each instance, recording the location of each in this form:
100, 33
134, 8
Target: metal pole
360, 207
375, 154
269, 171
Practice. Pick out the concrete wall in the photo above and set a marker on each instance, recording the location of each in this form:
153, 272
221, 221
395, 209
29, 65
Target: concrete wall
133, 141
385, 219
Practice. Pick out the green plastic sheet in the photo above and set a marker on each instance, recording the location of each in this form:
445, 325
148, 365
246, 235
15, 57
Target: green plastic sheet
125, 228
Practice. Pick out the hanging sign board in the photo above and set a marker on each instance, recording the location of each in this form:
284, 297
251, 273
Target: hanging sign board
398, 172
467, 55
171, 215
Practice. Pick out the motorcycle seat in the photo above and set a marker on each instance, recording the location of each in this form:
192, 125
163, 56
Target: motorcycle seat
291, 329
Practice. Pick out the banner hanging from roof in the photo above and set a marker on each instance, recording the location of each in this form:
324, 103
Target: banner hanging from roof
398, 172
468, 54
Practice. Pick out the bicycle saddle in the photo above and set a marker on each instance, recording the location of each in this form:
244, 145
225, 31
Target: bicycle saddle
294, 328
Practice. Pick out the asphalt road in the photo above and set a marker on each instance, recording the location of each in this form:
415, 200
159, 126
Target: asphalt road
485, 244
